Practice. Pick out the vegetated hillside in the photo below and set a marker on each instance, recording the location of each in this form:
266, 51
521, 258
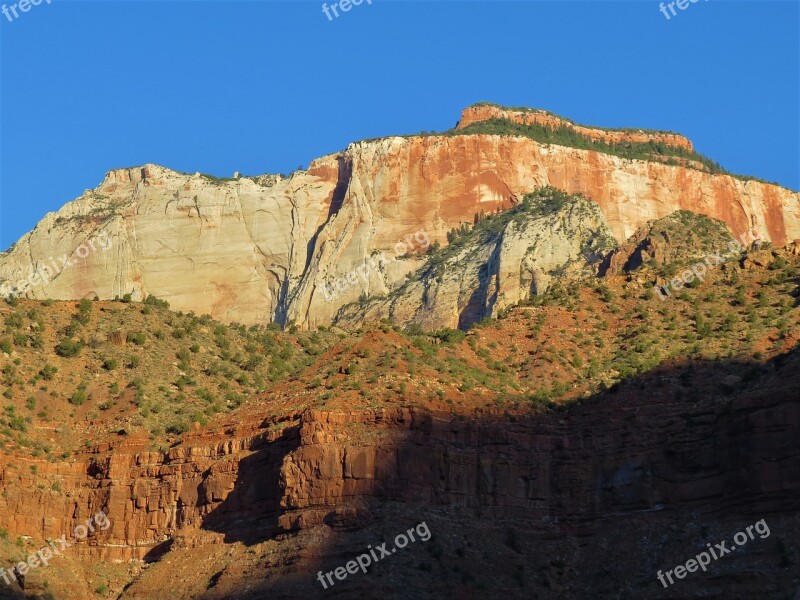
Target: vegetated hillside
574, 349
681, 239
548, 237
76, 372
573, 341
588, 501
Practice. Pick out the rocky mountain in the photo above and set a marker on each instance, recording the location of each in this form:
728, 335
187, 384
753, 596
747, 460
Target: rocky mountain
487, 334
483, 112
571, 448
503, 260
678, 239
268, 248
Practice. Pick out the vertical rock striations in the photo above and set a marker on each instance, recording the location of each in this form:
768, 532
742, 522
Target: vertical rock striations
260, 249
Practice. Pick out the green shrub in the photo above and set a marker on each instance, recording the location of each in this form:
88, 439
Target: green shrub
450, 336
137, 338
778, 263
68, 348
177, 427
14, 321
78, 397
153, 301
604, 292
85, 305
234, 399
17, 423
184, 381
253, 362
739, 298
762, 298
47, 372
694, 283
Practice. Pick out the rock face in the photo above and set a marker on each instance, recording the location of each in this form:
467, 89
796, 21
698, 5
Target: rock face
609, 467
528, 116
261, 249
146, 495
680, 238
504, 260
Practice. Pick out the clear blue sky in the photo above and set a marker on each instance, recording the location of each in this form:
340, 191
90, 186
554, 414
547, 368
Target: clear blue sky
263, 87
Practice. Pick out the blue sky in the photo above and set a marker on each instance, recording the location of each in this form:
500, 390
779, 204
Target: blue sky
259, 87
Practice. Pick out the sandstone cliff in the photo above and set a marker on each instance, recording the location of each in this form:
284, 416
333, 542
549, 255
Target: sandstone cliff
528, 116
679, 239
260, 249
608, 472
505, 259
585, 490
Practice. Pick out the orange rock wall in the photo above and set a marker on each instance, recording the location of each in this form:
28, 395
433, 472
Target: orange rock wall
437, 182
262, 251
475, 114
605, 458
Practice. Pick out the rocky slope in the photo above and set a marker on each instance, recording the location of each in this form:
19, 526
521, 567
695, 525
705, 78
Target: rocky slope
604, 473
505, 259
681, 238
572, 447
262, 249
264, 499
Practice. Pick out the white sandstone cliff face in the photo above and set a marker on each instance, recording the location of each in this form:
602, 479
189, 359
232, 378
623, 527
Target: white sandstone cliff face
256, 251
223, 248
482, 276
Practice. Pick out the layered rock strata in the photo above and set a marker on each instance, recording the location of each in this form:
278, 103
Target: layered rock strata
261, 249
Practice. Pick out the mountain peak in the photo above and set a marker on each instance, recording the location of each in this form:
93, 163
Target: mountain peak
485, 111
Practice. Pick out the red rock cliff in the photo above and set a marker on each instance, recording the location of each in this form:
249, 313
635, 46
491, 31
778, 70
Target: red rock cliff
268, 246
484, 112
